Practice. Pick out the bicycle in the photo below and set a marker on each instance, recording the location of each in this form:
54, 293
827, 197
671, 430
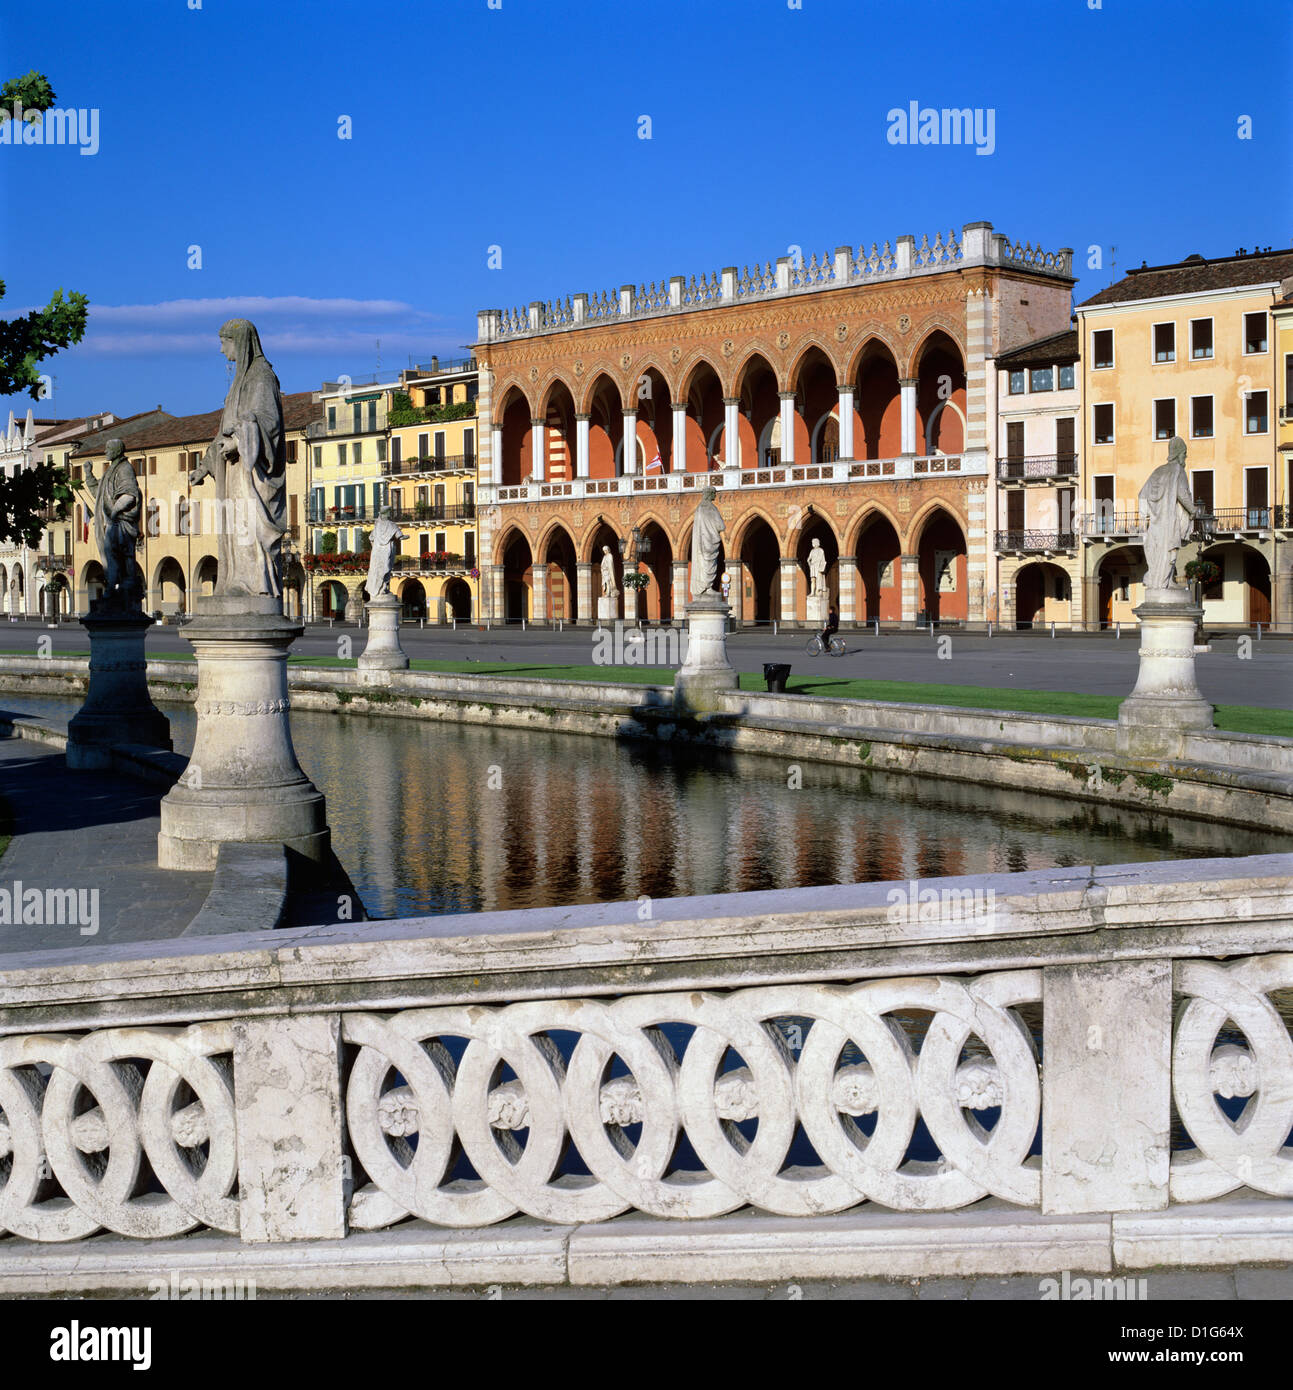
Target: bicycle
816, 647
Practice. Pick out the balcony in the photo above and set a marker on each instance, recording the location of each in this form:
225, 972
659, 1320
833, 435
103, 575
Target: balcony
1037, 468
437, 463
1233, 520
339, 516
346, 427
424, 514
1113, 525
426, 563
1035, 542
53, 564
778, 475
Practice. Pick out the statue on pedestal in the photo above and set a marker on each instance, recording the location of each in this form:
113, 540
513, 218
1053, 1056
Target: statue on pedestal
817, 570
117, 500
609, 589
247, 460
1167, 513
706, 528
384, 539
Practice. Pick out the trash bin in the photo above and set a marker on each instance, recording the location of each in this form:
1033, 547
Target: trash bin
776, 675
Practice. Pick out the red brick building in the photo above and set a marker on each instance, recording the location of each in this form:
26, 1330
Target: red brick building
846, 399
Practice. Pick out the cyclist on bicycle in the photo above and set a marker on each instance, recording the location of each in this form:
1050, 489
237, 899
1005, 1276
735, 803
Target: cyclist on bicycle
831, 628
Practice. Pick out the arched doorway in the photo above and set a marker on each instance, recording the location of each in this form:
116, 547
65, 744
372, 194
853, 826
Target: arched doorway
457, 600
563, 587
879, 571
817, 399
1119, 576
558, 415
879, 405
93, 581
758, 419
293, 588
205, 575
760, 554
1042, 595
940, 396
605, 427
170, 591
518, 579
942, 566
1241, 593
513, 413
333, 598
657, 563
413, 601
703, 394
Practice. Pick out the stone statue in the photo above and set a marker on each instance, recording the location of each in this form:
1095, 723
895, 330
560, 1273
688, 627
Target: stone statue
247, 460
706, 528
609, 589
117, 501
382, 557
1167, 514
817, 570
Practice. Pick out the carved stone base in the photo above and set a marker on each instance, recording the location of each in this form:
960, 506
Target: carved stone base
706, 669
383, 653
243, 783
608, 608
819, 605
1167, 697
118, 708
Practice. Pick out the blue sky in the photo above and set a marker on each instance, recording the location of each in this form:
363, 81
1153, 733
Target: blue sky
518, 127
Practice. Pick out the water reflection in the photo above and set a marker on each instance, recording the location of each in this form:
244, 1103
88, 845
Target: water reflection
441, 818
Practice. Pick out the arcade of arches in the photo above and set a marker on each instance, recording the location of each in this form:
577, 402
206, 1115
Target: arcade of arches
872, 402
881, 565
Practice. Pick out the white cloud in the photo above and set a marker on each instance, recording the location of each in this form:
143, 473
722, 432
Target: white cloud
248, 306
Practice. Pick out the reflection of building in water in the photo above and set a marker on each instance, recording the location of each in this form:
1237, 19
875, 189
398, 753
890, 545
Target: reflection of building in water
419, 826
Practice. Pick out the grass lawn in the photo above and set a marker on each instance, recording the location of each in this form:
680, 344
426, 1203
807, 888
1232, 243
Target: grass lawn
1241, 719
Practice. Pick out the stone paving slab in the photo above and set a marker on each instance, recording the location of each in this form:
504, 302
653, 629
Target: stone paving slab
92, 831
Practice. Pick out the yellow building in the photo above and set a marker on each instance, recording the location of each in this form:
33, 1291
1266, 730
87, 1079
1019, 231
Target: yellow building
179, 543
1185, 349
431, 490
1282, 325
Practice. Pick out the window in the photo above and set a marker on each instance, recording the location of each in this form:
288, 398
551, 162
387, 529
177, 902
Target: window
1067, 378
1015, 439
1257, 497
1065, 449
440, 543
1014, 510
138, 466
318, 455
291, 451
472, 390
356, 449
1041, 379
469, 549
397, 449
424, 446
424, 543
372, 414
341, 455
1017, 383
1255, 332
469, 447
1200, 338
1065, 498
332, 418
292, 517
381, 451
1201, 417
356, 417
1164, 342
1164, 418
1102, 423
1102, 502
1201, 483
1102, 348
152, 463
439, 446
1287, 412
1256, 420
433, 395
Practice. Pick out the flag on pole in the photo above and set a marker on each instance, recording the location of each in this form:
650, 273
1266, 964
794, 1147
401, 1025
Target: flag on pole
655, 463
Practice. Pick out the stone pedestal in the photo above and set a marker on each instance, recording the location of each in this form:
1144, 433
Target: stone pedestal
608, 608
706, 669
118, 708
819, 606
1167, 698
243, 783
383, 653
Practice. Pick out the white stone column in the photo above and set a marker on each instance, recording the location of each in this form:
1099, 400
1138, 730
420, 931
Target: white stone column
850, 588
787, 426
846, 422
629, 448
909, 572
678, 457
789, 590
908, 404
581, 446
978, 556
498, 590
538, 451
731, 432
495, 454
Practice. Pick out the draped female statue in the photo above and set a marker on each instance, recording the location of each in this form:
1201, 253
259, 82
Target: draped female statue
1167, 513
706, 528
117, 501
382, 557
247, 461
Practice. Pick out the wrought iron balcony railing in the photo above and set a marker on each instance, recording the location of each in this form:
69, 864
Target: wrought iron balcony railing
338, 516
1032, 542
1242, 519
1040, 466
426, 514
437, 463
